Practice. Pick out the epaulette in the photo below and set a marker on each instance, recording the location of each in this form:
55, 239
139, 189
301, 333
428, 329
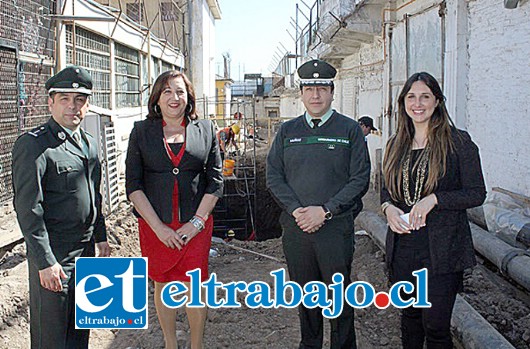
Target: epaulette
38, 131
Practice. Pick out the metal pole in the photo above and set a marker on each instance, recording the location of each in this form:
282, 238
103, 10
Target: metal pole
296, 41
74, 58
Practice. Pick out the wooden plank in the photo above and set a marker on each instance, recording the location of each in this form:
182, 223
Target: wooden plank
10, 236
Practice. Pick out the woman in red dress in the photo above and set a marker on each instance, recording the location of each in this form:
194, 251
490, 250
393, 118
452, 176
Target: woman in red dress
174, 179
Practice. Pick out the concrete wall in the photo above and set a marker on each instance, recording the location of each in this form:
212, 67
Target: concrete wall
172, 31
359, 91
202, 53
499, 86
290, 104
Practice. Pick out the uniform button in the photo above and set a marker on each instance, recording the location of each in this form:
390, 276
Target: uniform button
69, 168
176, 171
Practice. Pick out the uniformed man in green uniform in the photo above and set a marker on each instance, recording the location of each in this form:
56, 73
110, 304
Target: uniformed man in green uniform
56, 180
318, 169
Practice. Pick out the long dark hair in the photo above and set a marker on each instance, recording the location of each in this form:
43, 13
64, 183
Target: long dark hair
438, 139
159, 86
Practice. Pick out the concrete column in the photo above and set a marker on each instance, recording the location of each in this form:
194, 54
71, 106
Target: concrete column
456, 61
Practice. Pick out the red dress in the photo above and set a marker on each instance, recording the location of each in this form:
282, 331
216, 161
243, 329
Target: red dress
166, 264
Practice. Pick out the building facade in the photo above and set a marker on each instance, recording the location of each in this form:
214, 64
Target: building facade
478, 50
124, 57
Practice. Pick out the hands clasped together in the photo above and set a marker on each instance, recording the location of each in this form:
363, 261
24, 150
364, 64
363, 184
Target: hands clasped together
310, 219
176, 238
417, 216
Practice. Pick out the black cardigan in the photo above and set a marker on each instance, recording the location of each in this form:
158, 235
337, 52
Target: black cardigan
462, 187
149, 168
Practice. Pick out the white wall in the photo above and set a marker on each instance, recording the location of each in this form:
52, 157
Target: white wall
499, 90
203, 52
291, 105
365, 97
371, 82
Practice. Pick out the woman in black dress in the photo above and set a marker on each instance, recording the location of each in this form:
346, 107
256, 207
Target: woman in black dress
432, 172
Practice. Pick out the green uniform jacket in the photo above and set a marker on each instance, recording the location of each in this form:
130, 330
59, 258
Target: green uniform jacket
328, 165
56, 191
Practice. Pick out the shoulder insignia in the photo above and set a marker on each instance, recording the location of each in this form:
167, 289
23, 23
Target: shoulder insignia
36, 132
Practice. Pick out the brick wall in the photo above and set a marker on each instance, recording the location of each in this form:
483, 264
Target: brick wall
27, 39
499, 90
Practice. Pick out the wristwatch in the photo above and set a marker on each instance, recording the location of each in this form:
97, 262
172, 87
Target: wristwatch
327, 213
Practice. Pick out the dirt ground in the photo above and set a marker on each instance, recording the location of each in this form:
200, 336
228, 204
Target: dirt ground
506, 307
226, 328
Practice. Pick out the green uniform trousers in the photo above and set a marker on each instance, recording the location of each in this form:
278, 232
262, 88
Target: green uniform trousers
52, 314
316, 257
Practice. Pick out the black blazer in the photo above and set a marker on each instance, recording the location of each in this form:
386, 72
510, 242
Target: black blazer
462, 187
149, 168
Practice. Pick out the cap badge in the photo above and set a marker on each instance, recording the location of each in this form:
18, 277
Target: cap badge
61, 136
75, 85
316, 75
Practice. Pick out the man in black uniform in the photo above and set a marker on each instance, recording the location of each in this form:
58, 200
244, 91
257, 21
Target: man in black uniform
317, 170
56, 180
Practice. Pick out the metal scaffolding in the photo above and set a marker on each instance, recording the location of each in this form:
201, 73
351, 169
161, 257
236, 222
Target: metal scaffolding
234, 215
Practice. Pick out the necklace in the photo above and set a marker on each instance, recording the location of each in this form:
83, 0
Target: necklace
420, 172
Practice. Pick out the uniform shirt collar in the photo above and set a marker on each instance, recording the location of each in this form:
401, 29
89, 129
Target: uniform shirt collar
70, 132
323, 119
83, 142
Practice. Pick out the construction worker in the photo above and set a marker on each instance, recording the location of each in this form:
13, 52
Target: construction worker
317, 170
227, 137
367, 124
238, 115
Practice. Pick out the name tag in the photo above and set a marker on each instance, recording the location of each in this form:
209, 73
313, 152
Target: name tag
330, 142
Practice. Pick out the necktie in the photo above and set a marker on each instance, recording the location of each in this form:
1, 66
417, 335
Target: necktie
315, 122
82, 145
77, 138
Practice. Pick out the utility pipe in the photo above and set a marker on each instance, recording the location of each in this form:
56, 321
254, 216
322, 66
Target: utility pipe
512, 261
471, 328
476, 215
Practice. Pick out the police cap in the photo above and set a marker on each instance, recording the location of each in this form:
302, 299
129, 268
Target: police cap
316, 72
70, 79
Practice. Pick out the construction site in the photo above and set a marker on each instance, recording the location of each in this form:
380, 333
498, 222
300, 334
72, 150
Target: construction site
125, 45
